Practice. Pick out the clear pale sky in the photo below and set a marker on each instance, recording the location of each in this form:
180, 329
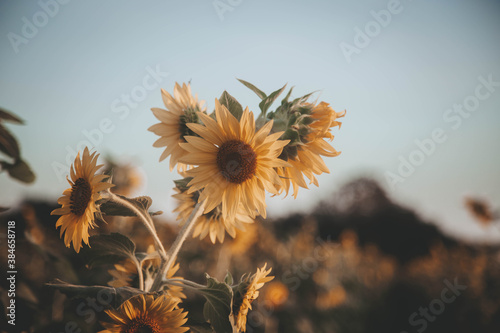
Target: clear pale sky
65, 68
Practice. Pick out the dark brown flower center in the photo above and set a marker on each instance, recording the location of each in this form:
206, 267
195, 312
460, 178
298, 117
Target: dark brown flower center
142, 324
237, 161
80, 196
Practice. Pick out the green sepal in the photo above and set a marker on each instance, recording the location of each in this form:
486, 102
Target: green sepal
231, 104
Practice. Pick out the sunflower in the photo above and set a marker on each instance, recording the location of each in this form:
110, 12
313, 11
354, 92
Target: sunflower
125, 274
146, 313
78, 202
244, 297
307, 161
211, 223
181, 109
235, 163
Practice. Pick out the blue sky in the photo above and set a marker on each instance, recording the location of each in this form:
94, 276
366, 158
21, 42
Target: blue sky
68, 76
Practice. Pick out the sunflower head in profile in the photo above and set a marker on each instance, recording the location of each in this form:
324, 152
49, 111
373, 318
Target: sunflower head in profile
211, 224
245, 293
305, 156
146, 313
181, 109
78, 202
235, 163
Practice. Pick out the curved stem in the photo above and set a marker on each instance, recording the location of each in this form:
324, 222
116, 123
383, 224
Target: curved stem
186, 282
181, 285
146, 220
140, 274
174, 250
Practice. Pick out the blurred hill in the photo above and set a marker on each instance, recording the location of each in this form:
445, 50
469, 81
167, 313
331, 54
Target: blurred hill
363, 207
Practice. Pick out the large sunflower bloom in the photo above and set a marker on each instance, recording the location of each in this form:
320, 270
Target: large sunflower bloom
211, 223
308, 161
146, 313
243, 301
181, 109
78, 202
235, 163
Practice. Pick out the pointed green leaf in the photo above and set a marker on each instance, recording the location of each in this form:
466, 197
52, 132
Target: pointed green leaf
231, 104
269, 100
285, 100
8, 143
217, 308
9, 116
109, 249
253, 88
20, 170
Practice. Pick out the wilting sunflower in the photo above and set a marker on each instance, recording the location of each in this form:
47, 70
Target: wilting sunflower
307, 161
243, 298
235, 163
181, 109
78, 202
146, 313
211, 223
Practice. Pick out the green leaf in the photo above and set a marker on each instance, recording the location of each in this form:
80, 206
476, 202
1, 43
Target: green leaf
9, 116
231, 104
253, 88
8, 143
269, 100
142, 203
217, 308
200, 328
109, 249
115, 296
20, 170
